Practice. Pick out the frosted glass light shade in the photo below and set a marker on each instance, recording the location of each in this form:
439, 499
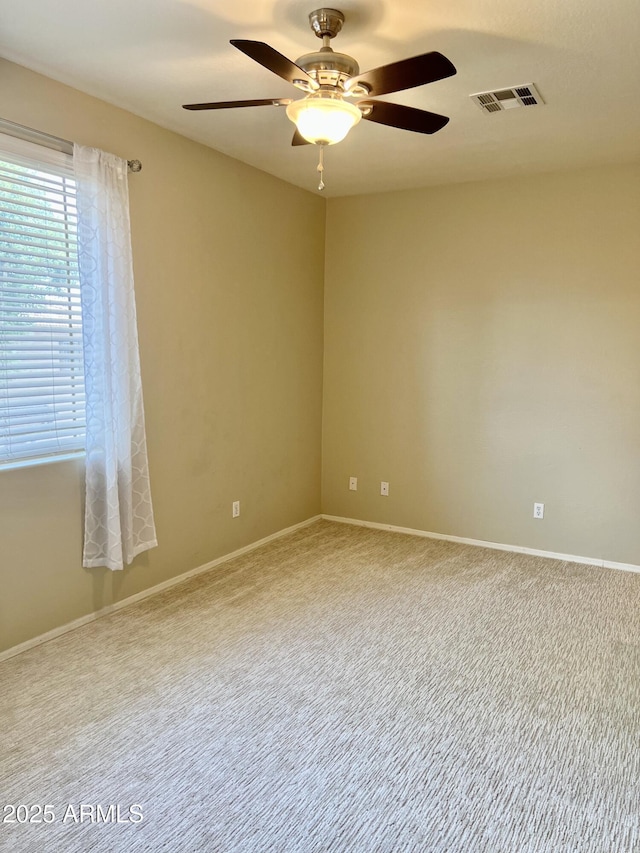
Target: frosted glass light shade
322, 120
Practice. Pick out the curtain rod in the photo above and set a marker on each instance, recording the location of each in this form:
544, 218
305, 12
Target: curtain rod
55, 142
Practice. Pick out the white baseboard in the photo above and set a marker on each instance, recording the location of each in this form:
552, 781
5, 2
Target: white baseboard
154, 590
498, 546
147, 593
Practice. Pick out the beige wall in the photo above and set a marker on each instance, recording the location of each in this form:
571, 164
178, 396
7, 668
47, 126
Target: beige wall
482, 352
229, 293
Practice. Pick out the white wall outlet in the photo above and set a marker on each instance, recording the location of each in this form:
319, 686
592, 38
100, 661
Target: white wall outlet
353, 484
538, 510
235, 509
384, 489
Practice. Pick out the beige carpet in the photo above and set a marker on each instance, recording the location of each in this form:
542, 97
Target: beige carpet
342, 690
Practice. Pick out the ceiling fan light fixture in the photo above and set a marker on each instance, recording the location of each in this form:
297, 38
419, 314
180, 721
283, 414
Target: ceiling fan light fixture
322, 119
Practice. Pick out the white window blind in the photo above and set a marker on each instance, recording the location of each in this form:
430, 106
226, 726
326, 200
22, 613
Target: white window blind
42, 403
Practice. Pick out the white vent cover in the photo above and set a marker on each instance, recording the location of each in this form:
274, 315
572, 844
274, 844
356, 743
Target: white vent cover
506, 99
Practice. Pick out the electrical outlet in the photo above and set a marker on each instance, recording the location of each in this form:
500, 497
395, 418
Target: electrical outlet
538, 510
235, 509
353, 484
384, 489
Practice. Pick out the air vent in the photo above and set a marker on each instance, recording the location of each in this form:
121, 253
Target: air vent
525, 95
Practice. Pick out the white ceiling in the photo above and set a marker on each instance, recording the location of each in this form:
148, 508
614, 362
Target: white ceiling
151, 56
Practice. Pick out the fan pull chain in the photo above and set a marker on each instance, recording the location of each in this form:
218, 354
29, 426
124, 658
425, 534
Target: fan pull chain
321, 168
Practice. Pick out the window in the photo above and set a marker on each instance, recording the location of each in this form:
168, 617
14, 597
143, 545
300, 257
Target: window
42, 402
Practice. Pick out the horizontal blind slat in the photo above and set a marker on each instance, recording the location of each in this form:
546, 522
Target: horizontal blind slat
43, 431
25, 398
46, 182
8, 223
55, 242
55, 264
18, 204
38, 219
11, 291
15, 308
44, 200
71, 412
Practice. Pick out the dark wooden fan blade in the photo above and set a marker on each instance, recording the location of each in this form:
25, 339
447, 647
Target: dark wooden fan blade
270, 59
405, 74
298, 139
225, 105
406, 118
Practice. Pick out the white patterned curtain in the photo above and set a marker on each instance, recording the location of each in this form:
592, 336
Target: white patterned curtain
118, 516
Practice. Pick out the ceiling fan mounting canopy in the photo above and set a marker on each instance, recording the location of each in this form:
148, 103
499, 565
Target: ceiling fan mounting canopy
326, 22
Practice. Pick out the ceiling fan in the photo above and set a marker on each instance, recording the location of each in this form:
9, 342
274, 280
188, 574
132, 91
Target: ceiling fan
337, 94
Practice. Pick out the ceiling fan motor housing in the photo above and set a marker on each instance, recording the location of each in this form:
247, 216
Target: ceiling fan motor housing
329, 68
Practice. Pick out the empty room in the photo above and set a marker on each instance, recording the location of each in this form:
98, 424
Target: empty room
319, 427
